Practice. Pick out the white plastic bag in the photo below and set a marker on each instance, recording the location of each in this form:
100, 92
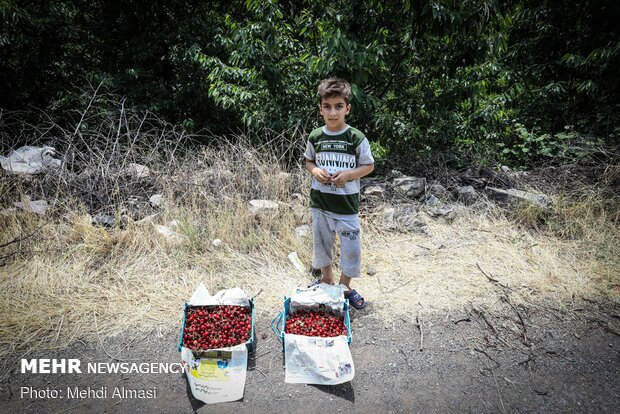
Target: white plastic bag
330, 296
30, 160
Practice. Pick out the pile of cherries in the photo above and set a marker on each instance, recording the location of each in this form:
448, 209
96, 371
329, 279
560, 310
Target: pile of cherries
315, 323
212, 327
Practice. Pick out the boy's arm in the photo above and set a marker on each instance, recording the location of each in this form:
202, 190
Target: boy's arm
321, 175
341, 177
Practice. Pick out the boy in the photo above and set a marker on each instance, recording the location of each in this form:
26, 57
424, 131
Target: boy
337, 156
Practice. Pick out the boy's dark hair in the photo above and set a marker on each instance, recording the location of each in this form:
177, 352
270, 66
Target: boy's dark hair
328, 88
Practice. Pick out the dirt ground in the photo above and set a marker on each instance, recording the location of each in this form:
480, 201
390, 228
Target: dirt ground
505, 359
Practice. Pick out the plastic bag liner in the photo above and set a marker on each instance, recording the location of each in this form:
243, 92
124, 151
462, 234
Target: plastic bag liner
217, 375
316, 360
30, 160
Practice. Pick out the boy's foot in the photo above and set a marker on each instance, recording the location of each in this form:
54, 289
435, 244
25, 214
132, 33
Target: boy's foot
355, 299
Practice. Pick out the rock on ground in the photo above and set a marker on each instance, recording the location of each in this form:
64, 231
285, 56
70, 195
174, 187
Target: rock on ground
512, 196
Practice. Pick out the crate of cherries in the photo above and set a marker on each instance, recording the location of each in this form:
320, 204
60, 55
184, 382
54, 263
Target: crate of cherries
315, 323
213, 327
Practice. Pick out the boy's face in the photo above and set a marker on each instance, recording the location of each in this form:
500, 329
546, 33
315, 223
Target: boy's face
334, 110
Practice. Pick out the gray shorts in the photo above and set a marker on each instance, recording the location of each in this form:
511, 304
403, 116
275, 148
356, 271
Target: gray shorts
324, 227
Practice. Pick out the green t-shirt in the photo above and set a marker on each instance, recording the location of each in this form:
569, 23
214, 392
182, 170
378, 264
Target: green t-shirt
336, 151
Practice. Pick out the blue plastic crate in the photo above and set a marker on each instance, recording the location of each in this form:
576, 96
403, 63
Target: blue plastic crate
249, 343
277, 324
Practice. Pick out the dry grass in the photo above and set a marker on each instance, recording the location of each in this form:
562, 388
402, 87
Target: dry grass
446, 268
65, 279
72, 280
85, 282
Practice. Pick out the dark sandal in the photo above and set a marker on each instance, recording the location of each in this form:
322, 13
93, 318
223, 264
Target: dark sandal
355, 299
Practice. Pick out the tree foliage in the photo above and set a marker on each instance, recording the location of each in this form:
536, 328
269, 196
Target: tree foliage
512, 80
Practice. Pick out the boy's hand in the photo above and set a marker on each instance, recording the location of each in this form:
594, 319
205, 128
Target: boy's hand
321, 175
340, 178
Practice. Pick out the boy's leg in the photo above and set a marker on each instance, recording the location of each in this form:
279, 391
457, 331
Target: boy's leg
350, 250
323, 243
345, 280
327, 275
351, 259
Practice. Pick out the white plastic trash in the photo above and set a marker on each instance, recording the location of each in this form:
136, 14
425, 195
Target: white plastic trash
295, 261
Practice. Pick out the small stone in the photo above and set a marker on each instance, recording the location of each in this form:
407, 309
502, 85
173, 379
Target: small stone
217, 243
259, 207
438, 189
467, 194
302, 231
442, 211
374, 190
156, 200
431, 200
104, 220
137, 170
371, 271
168, 233
411, 186
514, 196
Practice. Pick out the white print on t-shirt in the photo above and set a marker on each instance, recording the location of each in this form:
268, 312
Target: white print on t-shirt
333, 162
